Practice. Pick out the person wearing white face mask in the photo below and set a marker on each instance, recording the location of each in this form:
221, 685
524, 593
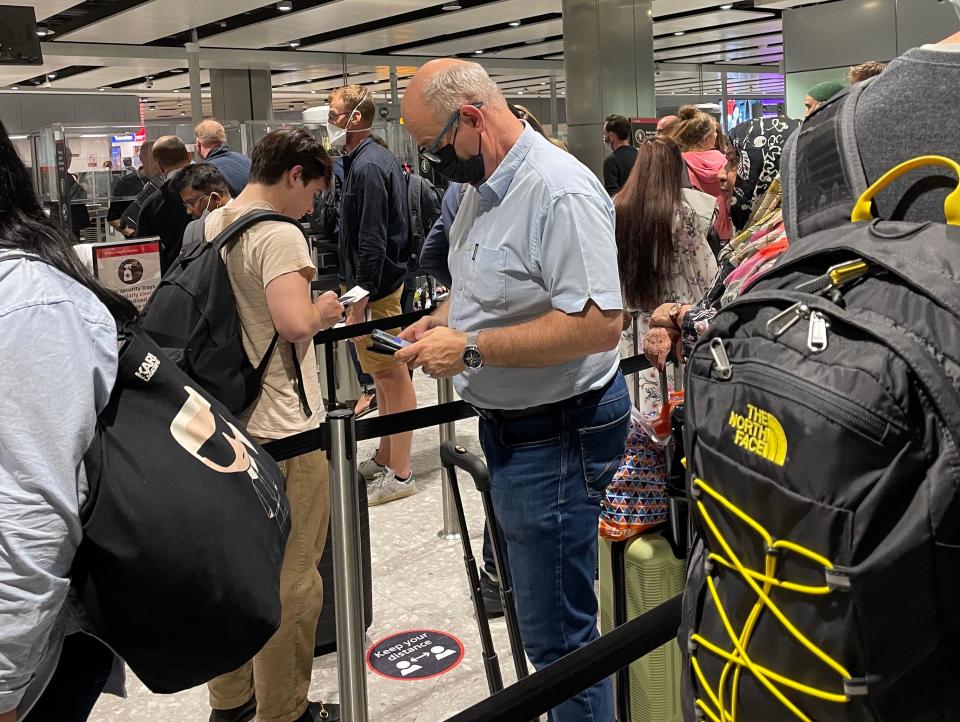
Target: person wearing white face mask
374, 248
203, 189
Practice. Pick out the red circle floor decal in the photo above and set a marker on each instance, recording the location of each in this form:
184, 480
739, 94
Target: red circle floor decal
415, 654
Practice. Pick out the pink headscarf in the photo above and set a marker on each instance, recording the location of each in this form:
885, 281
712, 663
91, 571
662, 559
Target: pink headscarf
705, 167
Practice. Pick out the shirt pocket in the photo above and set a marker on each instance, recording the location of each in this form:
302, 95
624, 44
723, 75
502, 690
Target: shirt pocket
488, 277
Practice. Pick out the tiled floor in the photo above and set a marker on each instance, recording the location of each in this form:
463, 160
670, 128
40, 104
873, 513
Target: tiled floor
418, 582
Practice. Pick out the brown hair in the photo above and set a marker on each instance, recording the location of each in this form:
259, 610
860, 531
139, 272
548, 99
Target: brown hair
859, 73
169, 151
356, 96
523, 113
282, 149
646, 213
693, 128
618, 125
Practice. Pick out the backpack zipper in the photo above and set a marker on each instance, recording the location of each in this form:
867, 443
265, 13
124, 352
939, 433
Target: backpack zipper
827, 403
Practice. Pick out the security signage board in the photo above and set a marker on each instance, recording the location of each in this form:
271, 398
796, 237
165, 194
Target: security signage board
389, 111
415, 654
641, 129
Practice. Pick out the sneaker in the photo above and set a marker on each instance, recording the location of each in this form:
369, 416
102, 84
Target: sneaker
369, 469
490, 592
387, 487
243, 713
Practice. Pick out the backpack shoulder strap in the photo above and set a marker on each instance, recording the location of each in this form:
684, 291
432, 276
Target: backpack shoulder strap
245, 222
414, 188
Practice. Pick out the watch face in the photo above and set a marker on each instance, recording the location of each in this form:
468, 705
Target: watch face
472, 358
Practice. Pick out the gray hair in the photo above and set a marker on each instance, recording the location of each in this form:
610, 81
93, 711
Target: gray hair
459, 85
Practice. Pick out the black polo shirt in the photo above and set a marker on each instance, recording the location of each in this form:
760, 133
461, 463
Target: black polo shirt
374, 242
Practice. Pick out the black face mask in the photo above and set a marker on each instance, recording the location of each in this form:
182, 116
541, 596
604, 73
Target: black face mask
448, 165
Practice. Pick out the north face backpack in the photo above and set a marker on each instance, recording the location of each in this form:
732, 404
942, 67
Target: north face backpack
193, 317
424, 200
822, 428
184, 529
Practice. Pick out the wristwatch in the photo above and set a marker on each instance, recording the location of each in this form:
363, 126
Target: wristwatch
471, 354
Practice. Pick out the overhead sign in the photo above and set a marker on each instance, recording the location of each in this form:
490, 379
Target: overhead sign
138, 137
415, 654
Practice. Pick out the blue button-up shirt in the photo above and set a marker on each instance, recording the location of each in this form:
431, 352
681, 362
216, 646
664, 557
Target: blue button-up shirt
542, 239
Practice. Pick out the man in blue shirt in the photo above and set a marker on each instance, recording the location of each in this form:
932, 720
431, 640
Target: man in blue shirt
530, 334
212, 147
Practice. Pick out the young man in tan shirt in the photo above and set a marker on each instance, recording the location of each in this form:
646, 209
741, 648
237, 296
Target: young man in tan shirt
270, 271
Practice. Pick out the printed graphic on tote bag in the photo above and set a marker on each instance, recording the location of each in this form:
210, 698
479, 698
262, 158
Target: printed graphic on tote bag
195, 428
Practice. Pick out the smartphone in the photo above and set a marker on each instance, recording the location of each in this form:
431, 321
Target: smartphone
385, 339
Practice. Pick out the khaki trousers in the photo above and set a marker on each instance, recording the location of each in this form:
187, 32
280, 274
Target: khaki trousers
280, 673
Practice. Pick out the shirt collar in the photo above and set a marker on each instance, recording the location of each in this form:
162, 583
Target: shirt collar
352, 155
496, 186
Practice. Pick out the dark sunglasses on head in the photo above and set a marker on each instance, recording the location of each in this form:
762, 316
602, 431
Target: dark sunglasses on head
430, 152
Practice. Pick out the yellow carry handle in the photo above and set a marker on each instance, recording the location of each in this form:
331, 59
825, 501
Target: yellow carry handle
951, 206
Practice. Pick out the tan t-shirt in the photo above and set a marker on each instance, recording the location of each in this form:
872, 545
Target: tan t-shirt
261, 254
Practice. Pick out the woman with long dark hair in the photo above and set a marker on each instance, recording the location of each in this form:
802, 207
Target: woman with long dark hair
58, 347
662, 252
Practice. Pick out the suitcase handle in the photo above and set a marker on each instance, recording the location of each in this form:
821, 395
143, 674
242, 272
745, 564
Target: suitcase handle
863, 211
453, 455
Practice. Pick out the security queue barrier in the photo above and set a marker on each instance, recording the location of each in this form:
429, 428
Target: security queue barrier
338, 435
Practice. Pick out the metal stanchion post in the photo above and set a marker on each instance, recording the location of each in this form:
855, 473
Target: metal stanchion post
347, 566
448, 432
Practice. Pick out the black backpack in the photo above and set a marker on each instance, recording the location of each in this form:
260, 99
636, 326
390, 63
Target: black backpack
424, 200
822, 431
184, 529
131, 214
193, 316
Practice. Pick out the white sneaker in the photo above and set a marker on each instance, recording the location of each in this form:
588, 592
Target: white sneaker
386, 487
370, 468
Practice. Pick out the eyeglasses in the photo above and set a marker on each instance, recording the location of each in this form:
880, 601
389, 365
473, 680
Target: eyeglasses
190, 205
430, 152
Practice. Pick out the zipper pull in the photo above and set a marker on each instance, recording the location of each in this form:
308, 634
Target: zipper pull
845, 272
817, 334
784, 321
722, 367
475, 249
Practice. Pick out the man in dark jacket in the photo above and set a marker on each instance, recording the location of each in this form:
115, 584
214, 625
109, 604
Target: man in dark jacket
617, 165
374, 247
164, 214
212, 147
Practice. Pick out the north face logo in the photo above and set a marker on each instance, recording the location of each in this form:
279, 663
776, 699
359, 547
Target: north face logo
148, 368
760, 433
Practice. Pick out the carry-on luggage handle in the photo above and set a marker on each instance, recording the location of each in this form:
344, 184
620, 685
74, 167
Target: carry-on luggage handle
453, 455
863, 211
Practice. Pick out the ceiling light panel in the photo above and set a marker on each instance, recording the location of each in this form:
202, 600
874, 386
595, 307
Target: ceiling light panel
158, 19
530, 51
507, 36
706, 20
718, 34
108, 76
730, 45
336, 14
440, 25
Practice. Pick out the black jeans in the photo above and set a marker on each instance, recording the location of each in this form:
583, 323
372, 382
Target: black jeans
82, 672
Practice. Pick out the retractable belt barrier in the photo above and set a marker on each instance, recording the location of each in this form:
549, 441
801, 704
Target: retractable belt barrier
581, 669
319, 438
338, 436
